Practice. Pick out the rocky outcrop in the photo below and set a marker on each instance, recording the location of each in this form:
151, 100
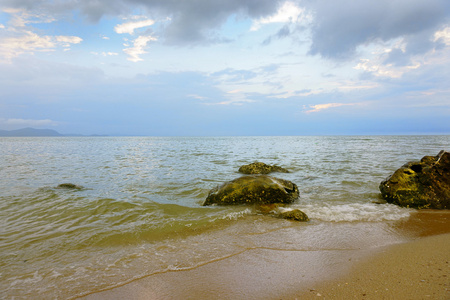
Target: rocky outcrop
420, 184
261, 168
69, 186
253, 189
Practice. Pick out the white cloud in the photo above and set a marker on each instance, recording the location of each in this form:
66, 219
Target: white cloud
130, 27
391, 60
28, 122
443, 35
29, 42
140, 43
68, 39
319, 107
19, 38
105, 53
21, 17
377, 65
289, 12
138, 48
11, 47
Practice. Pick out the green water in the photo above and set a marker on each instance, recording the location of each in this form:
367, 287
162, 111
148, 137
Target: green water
139, 209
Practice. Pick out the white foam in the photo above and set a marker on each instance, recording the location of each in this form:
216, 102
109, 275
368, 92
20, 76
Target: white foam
351, 212
236, 215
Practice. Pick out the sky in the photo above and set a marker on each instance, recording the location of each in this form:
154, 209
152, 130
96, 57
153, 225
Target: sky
226, 68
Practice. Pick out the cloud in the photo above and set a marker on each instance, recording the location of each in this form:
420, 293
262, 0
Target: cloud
282, 33
130, 27
394, 60
340, 27
337, 28
19, 38
198, 97
380, 69
67, 40
442, 36
21, 17
139, 45
191, 22
105, 53
289, 12
30, 42
27, 122
320, 107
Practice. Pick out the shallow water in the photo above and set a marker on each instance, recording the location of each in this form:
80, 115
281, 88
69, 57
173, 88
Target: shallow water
139, 211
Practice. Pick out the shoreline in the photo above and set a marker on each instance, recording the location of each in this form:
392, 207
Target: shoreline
420, 260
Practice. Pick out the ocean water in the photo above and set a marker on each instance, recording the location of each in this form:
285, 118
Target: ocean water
139, 210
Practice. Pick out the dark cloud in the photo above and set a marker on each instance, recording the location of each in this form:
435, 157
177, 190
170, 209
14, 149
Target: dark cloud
192, 22
339, 27
197, 21
282, 33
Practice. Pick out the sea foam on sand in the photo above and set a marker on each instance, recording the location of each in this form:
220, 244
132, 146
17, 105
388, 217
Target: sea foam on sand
346, 259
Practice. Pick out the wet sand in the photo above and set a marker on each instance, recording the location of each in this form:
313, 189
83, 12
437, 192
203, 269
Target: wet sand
418, 267
414, 270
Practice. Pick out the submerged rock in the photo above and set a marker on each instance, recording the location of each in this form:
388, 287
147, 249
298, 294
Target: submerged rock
295, 214
261, 168
424, 184
278, 210
253, 189
69, 186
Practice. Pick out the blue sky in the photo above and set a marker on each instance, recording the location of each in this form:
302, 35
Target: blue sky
237, 67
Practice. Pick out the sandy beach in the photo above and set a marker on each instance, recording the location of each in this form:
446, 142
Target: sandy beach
414, 270
418, 268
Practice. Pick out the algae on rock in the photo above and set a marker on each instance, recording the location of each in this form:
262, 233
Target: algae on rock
424, 184
69, 186
261, 168
295, 214
253, 189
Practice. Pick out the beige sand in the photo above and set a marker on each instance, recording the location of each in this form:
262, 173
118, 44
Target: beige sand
415, 270
418, 269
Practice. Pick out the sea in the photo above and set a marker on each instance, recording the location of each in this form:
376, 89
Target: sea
138, 209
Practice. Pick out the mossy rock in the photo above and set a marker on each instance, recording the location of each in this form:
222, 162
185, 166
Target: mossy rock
69, 186
261, 168
253, 189
420, 184
295, 215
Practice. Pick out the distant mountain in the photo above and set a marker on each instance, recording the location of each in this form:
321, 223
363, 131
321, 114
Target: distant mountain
29, 132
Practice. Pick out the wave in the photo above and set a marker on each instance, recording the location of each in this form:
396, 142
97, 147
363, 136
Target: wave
352, 212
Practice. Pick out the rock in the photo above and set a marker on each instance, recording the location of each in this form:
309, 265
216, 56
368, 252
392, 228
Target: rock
295, 214
277, 210
261, 168
69, 186
253, 189
424, 184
